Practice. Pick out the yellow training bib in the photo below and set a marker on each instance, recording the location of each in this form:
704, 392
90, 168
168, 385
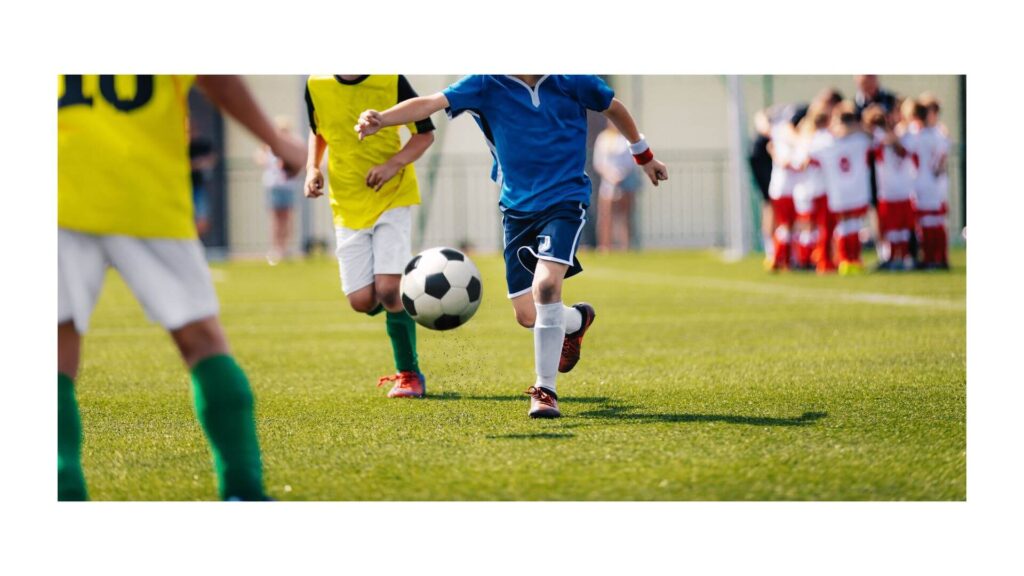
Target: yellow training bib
334, 106
122, 156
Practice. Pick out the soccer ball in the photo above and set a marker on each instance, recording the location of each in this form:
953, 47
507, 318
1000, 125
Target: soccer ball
441, 288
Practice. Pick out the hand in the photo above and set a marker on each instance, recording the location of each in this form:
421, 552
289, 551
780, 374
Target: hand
379, 175
292, 153
369, 123
656, 171
314, 183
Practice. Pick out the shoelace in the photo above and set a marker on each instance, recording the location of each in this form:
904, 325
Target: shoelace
540, 395
404, 380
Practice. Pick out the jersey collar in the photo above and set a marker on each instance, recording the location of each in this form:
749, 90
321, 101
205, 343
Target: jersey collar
351, 82
535, 91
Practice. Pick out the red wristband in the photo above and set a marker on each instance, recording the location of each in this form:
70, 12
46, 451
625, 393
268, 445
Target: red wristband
643, 157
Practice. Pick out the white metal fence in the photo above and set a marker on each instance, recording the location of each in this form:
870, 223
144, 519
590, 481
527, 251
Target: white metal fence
460, 206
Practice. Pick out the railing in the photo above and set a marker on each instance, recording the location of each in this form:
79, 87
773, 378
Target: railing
687, 211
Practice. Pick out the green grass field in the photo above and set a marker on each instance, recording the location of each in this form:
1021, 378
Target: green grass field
699, 381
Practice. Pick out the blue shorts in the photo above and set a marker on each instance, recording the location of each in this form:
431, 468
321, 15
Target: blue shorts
281, 197
551, 234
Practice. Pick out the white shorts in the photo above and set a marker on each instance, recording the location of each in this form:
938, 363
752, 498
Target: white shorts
384, 248
169, 278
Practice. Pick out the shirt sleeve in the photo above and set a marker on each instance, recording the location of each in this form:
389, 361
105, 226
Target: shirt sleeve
593, 93
310, 110
466, 94
405, 92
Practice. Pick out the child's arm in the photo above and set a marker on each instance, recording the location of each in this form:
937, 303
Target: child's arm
314, 178
231, 95
411, 152
404, 112
618, 114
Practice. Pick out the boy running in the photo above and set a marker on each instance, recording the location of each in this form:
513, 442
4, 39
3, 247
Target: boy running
124, 200
536, 128
373, 187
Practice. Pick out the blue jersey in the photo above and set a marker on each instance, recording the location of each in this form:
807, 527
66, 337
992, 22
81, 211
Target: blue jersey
537, 136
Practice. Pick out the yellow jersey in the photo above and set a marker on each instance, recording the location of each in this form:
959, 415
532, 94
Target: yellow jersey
122, 155
334, 105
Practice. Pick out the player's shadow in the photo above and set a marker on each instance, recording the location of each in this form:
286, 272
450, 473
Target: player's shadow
510, 398
534, 436
627, 414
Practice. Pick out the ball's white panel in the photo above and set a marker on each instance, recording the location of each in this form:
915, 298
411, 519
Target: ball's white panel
455, 301
432, 261
428, 308
458, 273
412, 284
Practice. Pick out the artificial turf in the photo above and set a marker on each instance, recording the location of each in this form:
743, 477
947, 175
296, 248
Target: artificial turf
700, 380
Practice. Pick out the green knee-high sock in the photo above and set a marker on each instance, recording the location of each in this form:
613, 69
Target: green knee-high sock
224, 405
70, 479
402, 331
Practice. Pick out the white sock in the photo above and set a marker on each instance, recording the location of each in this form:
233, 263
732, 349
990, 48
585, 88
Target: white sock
573, 319
548, 333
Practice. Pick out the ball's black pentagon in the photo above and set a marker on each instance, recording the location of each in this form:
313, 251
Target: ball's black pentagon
473, 289
437, 285
412, 264
447, 322
453, 254
409, 305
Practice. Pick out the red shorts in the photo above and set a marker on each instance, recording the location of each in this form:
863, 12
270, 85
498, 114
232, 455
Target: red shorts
898, 215
940, 212
783, 210
851, 213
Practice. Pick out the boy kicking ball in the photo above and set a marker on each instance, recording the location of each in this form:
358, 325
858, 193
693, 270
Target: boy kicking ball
373, 187
536, 127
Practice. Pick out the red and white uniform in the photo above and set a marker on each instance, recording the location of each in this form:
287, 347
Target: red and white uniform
784, 149
895, 172
847, 176
812, 184
929, 148
785, 175
848, 179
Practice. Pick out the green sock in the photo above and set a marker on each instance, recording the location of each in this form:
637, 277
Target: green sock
377, 310
224, 406
70, 479
402, 331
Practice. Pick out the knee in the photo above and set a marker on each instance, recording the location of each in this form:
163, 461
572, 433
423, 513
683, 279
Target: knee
200, 339
546, 291
526, 317
388, 295
363, 300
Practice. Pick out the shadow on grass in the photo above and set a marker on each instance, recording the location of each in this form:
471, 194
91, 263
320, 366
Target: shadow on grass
537, 436
512, 398
625, 413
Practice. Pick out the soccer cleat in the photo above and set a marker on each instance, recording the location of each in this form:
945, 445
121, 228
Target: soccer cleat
848, 268
572, 342
543, 404
407, 385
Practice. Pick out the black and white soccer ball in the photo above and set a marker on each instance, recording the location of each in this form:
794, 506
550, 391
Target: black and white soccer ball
441, 288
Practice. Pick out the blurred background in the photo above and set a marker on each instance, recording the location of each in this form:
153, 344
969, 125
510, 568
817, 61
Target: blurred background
700, 126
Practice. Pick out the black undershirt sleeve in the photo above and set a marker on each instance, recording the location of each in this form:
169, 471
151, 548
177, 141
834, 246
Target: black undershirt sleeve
310, 111
406, 92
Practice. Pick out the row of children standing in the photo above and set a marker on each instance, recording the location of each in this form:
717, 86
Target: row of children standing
825, 160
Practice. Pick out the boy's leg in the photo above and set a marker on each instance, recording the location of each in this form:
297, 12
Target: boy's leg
81, 269
172, 282
392, 250
70, 478
548, 333
224, 405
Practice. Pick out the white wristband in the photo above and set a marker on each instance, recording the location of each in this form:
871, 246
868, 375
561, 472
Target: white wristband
639, 147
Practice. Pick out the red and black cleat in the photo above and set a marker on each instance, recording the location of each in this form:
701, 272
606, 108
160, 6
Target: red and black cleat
573, 342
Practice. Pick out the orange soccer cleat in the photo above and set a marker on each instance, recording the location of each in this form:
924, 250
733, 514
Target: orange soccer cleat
407, 385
